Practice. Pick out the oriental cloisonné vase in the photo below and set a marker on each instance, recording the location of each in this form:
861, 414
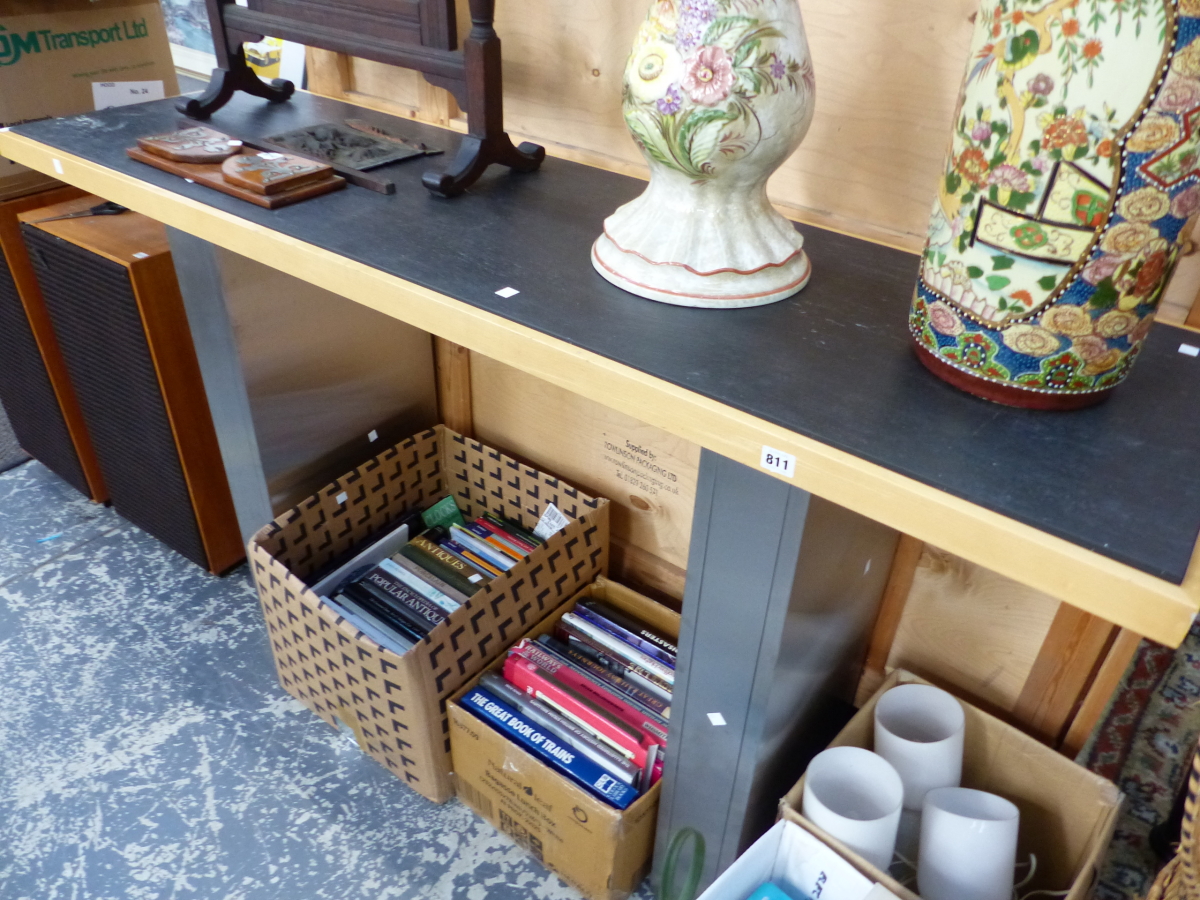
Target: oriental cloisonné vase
1070, 184
718, 93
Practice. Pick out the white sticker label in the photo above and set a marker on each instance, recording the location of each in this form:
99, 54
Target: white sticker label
341, 498
122, 93
372, 435
57, 166
474, 578
507, 292
551, 522
270, 156
1189, 350
140, 255
717, 719
777, 461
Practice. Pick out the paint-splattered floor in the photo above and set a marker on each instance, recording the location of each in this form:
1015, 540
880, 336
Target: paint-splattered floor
147, 750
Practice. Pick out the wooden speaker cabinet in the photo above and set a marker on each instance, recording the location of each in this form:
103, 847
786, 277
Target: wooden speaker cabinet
34, 385
109, 285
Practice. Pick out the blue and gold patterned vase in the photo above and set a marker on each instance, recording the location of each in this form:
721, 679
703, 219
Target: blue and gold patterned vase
1070, 184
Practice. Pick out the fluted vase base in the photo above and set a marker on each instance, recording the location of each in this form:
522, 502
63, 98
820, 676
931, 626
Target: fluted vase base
684, 286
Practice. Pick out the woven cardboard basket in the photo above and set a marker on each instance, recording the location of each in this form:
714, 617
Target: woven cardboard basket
396, 705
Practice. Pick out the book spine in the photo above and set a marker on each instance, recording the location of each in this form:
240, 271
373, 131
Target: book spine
630, 624
512, 530
453, 573
431, 542
470, 557
512, 551
382, 611
369, 625
610, 728
649, 724
611, 679
399, 612
618, 647
482, 548
626, 670
444, 601
424, 576
429, 612
622, 634
505, 720
545, 717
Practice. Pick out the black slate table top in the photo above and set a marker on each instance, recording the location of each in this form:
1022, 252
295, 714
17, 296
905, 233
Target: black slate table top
832, 363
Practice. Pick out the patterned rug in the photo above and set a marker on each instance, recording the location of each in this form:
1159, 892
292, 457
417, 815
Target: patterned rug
1144, 745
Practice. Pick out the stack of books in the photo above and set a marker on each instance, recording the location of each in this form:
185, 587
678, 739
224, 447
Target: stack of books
592, 700
401, 599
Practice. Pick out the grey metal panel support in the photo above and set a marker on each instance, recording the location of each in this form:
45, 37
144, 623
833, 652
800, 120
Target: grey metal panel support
199, 274
782, 591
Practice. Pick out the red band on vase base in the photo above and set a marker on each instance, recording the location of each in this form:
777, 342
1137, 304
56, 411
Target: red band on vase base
1003, 393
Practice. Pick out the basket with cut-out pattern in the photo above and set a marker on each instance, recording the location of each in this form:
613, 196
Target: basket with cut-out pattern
396, 705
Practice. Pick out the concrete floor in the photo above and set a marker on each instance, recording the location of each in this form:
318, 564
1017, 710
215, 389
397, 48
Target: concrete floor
147, 750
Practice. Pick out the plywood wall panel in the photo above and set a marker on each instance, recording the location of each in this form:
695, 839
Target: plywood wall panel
648, 474
974, 629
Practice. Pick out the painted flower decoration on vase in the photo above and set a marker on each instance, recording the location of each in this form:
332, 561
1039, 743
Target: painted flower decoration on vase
1186, 202
709, 76
656, 67
1155, 132
1179, 94
1041, 85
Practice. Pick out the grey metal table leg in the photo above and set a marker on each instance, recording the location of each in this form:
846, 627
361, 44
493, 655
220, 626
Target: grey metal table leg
199, 274
782, 591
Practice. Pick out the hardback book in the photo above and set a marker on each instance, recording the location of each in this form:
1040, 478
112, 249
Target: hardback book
422, 585
427, 577
446, 566
635, 627
377, 631
638, 677
470, 557
610, 727
594, 689
384, 611
574, 624
429, 612
511, 531
505, 545
564, 729
607, 676
565, 759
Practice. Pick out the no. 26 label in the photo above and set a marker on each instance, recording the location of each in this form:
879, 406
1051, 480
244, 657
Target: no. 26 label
777, 461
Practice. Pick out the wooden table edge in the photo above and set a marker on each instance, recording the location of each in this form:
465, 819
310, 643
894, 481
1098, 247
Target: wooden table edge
1095, 583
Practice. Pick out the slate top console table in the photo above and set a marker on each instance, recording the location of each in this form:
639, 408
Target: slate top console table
1099, 508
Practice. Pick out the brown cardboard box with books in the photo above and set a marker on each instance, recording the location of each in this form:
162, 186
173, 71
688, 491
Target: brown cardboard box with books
603, 851
61, 57
396, 704
1067, 813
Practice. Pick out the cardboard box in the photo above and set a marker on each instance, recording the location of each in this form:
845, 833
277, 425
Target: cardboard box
396, 705
1067, 813
800, 863
603, 851
61, 57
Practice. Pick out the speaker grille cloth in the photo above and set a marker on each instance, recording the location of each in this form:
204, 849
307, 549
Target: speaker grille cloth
96, 317
27, 394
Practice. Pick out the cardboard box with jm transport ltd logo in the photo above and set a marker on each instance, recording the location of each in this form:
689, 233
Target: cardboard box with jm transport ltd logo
62, 57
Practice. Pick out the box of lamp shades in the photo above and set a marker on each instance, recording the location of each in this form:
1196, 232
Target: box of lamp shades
1067, 814
357, 657
516, 731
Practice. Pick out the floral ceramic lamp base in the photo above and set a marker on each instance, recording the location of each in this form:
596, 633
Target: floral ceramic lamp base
718, 93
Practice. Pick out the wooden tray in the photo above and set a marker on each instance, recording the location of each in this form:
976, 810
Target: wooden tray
210, 175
